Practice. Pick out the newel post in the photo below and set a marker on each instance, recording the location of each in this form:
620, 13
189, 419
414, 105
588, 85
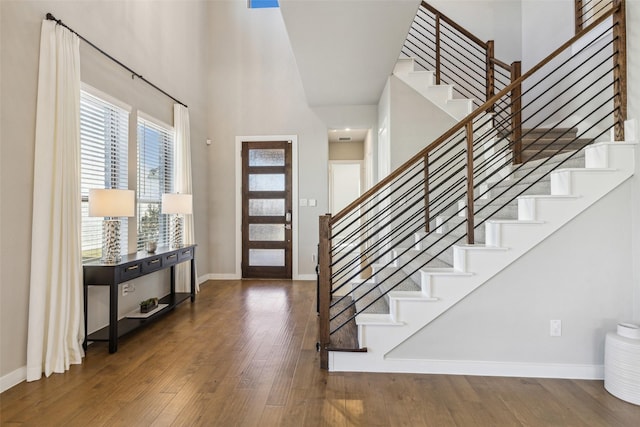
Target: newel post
516, 113
437, 50
470, 215
427, 215
324, 293
619, 68
490, 69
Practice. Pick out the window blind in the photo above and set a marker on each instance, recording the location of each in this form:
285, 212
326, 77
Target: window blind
104, 131
155, 177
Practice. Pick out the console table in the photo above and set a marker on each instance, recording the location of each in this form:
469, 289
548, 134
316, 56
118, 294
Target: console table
97, 273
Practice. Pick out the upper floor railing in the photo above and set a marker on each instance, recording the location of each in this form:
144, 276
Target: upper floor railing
457, 57
587, 11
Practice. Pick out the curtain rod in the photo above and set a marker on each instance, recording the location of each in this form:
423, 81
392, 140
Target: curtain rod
50, 17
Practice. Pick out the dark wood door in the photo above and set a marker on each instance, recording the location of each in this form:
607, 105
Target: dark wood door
266, 209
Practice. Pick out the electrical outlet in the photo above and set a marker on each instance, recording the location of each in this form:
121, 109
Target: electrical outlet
125, 289
555, 328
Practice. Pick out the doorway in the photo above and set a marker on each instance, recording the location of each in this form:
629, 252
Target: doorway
267, 210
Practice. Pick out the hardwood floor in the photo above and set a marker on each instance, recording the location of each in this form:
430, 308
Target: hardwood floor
244, 355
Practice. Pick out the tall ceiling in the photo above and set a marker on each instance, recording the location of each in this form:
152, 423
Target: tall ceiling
346, 49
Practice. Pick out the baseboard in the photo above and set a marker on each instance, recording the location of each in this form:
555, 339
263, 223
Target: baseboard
215, 276
13, 378
233, 276
479, 368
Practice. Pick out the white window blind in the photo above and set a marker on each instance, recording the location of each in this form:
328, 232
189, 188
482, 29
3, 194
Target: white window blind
155, 177
104, 132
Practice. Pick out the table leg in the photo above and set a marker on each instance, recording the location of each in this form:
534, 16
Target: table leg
193, 276
84, 288
113, 318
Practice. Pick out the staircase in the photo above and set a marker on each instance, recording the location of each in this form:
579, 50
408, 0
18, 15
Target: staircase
511, 173
415, 295
424, 82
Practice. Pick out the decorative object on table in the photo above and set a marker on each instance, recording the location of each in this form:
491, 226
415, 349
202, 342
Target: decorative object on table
177, 205
150, 246
149, 228
148, 305
622, 362
111, 204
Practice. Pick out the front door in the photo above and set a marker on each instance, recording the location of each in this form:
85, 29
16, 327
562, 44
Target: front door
266, 209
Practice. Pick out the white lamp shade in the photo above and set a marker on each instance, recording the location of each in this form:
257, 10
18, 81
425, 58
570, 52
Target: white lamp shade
111, 202
173, 203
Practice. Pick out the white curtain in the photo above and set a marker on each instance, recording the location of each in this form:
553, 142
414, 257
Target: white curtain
183, 185
56, 318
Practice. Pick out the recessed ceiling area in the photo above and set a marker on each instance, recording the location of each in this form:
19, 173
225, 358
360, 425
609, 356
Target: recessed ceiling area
347, 135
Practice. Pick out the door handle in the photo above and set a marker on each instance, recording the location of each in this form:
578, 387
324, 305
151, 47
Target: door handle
287, 217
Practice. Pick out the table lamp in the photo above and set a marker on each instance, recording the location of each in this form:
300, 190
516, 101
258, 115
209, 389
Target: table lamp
177, 205
111, 204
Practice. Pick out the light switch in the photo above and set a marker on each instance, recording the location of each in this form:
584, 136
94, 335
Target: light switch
303, 202
312, 202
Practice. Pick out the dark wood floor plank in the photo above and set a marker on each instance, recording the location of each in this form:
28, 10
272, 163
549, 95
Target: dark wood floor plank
244, 355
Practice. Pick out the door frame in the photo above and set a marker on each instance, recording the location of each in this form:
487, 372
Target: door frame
294, 197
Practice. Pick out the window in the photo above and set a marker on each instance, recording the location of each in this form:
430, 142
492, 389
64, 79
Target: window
262, 4
155, 177
104, 131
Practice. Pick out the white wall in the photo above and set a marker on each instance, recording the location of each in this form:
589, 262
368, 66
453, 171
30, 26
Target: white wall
135, 33
497, 20
255, 90
633, 106
415, 122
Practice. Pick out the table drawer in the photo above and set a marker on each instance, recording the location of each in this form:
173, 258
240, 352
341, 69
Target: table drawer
152, 264
169, 259
185, 254
130, 271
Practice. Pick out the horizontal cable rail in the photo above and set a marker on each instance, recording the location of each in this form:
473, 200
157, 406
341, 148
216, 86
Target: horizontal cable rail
456, 56
409, 222
587, 11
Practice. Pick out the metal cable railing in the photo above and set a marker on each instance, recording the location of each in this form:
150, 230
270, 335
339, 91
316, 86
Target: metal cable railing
457, 57
587, 11
442, 196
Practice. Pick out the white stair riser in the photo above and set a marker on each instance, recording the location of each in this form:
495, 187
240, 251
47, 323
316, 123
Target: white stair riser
419, 79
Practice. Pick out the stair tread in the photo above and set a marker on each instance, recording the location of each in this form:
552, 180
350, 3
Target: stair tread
365, 295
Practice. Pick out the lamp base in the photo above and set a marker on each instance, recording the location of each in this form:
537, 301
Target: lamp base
111, 241
176, 240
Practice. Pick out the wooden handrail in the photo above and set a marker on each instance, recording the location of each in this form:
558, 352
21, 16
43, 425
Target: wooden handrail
501, 64
471, 116
454, 24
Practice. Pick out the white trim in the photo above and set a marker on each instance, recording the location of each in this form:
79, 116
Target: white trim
306, 277
105, 97
13, 378
481, 368
148, 118
294, 195
223, 276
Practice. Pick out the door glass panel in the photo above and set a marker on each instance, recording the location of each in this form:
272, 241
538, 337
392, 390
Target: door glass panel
266, 232
266, 257
266, 157
266, 182
266, 207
